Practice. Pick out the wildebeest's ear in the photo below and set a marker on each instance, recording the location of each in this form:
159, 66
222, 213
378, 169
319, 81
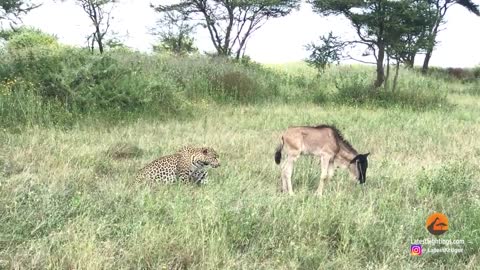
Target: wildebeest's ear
366, 155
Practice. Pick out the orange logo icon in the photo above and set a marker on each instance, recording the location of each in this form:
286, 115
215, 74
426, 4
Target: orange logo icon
437, 223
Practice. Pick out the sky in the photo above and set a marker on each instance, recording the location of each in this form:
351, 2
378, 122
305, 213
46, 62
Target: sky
280, 40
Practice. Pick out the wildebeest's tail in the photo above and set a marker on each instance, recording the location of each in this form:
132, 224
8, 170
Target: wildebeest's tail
278, 153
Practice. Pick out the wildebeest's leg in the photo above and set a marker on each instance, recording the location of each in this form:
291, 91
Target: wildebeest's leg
283, 178
287, 171
331, 170
199, 177
325, 164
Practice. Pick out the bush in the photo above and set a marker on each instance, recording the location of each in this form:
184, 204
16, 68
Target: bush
474, 88
236, 85
59, 84
455, 74
76, 83
28, 38
476, 72
21, 105
411, 93
220, 79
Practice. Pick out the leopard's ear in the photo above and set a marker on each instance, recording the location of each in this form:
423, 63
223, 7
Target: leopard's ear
205, 151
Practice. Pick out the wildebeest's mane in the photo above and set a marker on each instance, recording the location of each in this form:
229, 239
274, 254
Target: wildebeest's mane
338, 136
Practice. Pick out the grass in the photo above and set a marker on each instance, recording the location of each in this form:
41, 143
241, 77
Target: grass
61, 86
68, 199
74, 130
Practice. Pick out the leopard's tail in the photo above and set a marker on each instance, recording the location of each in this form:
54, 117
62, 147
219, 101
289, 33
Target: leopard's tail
278, 152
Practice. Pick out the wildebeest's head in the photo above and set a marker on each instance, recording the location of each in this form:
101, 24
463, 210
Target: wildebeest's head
361, 165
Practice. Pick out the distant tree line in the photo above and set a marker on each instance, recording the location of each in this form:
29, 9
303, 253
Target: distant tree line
390, 31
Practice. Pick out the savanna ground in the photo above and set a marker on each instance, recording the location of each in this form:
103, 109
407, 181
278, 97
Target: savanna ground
68, 199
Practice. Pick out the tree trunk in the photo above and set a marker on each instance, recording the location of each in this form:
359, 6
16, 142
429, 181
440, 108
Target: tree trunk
99, 37
100, 45
396, 76
433, 37
388, 73
237, 55
91, 43
427, 60
226, 43
380, 70
92, 46
410, 61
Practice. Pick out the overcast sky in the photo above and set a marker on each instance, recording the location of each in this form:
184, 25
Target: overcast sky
278, 41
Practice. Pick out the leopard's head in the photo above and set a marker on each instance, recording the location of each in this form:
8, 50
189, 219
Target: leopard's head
208, 157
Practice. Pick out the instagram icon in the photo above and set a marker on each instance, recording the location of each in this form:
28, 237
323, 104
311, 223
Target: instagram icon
416, 250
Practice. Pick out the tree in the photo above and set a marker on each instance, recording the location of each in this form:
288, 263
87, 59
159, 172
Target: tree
179, 45
404, 34
99, 12
381, 26
328, 51
231, 23
440, 8
175, 33
409, 22
11, 11
368, 19
115, 43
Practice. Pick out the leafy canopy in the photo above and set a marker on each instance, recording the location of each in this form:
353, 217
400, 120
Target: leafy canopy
230, 23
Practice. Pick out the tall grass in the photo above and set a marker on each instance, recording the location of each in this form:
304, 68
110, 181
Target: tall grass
61, 85
68, 198
414, 91
125, 81
474, 88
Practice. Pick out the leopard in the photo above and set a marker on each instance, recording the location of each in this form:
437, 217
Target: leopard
189, 164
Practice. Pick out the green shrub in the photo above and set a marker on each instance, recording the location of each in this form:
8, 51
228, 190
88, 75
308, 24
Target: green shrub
27, 38
454, 74
122, 82
221, 79
355, 89
474, 88
75, 83
414, 93
236, 85
63, 84
476, 72
20, 103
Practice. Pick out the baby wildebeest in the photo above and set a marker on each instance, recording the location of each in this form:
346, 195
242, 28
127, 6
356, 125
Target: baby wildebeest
326, 142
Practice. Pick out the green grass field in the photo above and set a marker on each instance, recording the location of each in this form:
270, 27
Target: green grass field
75, 128
68, 199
